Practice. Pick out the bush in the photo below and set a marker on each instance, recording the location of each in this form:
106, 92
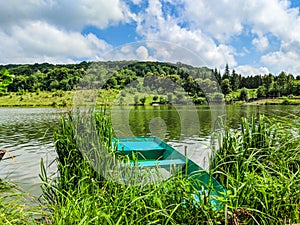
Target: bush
143, 100
216, 97
261, 92
162, 100
244, 95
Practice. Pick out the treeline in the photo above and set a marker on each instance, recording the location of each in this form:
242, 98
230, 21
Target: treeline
267, 85
43, 77
202, 84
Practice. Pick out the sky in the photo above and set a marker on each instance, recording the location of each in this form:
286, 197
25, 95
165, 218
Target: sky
251, 36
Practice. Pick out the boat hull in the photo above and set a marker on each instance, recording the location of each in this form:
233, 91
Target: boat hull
152, 152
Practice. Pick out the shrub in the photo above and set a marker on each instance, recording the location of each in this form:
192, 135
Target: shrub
244, 95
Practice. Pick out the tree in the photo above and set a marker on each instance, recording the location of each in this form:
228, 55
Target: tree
235, 80
268, 81
5, 80
226, 87
112, 82
244, 96
162, 100
282, 83
217, 97
143, 100
290, 84
274, 90
226, 74
208, 86
261, 92
217, 75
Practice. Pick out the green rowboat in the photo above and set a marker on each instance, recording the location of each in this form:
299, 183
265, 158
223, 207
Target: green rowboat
150, 152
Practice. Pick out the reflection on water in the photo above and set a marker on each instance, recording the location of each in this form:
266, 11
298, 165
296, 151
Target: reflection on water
29, 132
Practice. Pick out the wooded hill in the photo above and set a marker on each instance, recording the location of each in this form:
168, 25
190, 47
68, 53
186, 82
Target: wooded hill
201, 84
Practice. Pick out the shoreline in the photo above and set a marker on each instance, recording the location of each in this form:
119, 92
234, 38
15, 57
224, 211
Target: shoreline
275, 101
64, 99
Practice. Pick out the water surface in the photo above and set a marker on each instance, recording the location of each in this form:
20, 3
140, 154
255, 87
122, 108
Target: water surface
29, 132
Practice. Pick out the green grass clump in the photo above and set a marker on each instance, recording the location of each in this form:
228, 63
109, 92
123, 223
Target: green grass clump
258, 165
18, 207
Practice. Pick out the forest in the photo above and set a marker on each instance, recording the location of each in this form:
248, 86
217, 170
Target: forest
201, 84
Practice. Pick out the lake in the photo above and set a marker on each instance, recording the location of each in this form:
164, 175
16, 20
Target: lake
28, 133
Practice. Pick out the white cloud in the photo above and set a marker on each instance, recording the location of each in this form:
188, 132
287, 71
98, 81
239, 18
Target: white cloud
219, 19
39, 42
247, 70
142, 53
136, 2
283, 61
131, 51
154, 25
226, 20
261, 43
69, 14
50, 30
274, 16
197, 32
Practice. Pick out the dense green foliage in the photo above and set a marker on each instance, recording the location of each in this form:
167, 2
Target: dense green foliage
198, 83
5, 80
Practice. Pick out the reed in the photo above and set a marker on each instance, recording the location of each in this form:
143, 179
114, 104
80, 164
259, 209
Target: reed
257, 164
19, 207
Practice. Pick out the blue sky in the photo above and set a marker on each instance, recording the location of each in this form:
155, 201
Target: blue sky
252, 36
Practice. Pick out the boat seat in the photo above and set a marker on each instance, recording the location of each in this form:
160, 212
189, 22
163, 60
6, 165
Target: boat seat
161, 163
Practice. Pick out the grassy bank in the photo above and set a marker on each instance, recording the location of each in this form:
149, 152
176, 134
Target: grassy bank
65, 99
276, 101
39, 99
258, 165
18, 207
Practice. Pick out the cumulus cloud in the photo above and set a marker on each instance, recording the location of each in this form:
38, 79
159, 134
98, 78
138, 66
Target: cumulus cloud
226, 21
247, 70
219, 19
69, 14
261, 43
50, 30
154, 25
131, 51
142, 53
39, 41
283, 61
173, 30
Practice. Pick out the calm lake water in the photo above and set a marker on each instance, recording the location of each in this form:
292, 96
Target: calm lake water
28, 132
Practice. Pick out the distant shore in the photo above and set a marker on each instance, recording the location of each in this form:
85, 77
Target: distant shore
65, 99
275, 101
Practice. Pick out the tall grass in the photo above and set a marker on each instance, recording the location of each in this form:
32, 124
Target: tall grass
257, 164
82, 195
18, 207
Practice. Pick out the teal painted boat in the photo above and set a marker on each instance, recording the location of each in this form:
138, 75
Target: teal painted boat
150, 152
